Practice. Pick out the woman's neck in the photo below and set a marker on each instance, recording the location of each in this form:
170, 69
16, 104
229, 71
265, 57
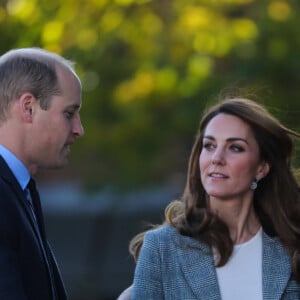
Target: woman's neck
239, 216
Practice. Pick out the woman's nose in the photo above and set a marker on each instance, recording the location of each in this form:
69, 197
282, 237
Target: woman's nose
218, 157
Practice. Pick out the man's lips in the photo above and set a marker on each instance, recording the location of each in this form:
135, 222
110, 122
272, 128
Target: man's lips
69, 144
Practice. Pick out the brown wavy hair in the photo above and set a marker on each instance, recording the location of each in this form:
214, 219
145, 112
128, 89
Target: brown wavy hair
276, 199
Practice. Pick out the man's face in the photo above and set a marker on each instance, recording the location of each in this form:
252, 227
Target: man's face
54, 130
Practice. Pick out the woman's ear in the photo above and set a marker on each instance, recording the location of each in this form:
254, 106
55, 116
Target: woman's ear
27, 103
263, 170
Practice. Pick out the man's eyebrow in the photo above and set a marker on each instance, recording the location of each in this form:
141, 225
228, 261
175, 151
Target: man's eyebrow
74, 106
231, 139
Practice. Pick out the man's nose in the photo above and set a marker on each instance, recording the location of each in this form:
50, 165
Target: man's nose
78, 128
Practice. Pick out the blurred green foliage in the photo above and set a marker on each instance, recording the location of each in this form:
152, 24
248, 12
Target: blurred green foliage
149, 68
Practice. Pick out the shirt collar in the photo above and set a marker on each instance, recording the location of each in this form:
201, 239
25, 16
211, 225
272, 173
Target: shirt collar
16, 166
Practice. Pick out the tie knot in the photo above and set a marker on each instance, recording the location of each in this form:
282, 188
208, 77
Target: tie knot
31, 185
34, 194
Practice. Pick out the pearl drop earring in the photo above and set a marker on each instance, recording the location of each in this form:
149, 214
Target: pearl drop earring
253, 185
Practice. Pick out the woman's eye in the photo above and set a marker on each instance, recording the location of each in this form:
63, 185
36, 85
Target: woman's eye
208, 146
236, 148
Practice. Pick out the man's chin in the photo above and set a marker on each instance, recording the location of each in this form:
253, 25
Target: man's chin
62, 164
56, 165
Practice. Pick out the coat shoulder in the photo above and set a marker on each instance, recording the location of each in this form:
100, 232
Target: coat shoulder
168, 237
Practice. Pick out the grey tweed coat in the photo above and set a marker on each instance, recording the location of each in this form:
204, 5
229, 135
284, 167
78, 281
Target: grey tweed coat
176, 267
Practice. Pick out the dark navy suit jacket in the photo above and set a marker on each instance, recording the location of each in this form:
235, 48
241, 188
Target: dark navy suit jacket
25, 256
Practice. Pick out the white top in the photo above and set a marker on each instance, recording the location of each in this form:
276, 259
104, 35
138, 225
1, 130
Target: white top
241, 277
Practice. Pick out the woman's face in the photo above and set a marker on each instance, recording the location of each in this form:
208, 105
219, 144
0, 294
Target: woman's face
229, 160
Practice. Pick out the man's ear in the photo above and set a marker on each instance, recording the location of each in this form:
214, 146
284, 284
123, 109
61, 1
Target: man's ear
263, 170
27, 103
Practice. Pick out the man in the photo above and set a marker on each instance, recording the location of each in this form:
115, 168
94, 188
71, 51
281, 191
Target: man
40, 99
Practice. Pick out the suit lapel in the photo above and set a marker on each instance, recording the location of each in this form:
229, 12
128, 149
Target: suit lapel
20, 195
276, 268
21, 198
197, 265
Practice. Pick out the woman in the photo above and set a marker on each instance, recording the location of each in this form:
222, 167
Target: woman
235, 233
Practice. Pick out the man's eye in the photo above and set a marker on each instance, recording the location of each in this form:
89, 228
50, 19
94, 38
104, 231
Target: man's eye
69, 114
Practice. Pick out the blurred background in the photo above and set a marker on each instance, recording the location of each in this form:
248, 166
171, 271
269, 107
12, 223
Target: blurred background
148, 69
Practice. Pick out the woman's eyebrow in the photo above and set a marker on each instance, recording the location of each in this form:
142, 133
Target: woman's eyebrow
231, 139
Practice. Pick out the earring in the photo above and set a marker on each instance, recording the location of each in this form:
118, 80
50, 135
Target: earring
253, 185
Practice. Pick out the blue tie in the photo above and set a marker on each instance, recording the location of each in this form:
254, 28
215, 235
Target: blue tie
30, 201
34, 202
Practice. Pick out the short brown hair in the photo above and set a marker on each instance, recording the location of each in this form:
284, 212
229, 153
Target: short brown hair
32, 70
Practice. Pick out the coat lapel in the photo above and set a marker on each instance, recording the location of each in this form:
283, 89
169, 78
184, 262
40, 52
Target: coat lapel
198, 269
276, 268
